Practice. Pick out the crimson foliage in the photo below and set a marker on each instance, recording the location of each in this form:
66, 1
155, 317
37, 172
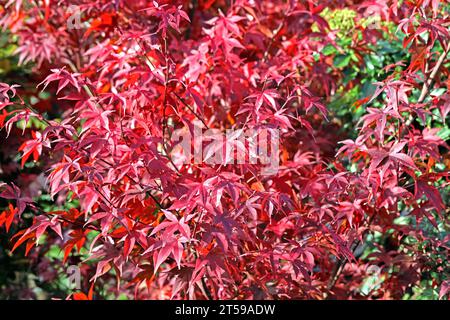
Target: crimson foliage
126, 74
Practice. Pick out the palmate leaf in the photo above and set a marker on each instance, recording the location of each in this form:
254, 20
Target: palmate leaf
135, 73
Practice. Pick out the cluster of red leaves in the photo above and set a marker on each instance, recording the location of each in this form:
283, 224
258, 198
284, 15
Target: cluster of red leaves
134, 71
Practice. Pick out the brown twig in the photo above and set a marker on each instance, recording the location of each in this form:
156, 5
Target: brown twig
430, 80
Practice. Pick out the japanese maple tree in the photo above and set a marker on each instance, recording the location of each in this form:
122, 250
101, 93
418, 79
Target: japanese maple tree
112, 81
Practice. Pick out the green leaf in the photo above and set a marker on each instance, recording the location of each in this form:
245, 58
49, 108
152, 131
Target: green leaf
341, 61
329, 50
444, 134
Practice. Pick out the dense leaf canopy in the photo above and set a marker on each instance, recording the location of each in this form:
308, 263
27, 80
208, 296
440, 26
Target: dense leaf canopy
92, 94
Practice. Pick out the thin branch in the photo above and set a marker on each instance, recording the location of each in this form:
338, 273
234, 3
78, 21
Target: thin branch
275, 34
190, 109
429, 82
339, 267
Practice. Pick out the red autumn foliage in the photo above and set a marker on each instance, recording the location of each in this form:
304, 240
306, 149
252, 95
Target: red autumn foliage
129, 73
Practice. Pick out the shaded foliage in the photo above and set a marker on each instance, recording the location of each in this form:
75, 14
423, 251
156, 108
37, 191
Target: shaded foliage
100, 184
